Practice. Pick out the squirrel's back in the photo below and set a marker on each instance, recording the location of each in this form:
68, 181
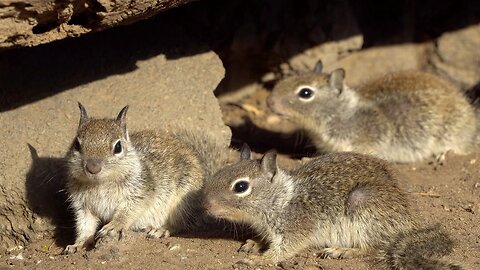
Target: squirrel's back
165, 158
331, 178
404, 92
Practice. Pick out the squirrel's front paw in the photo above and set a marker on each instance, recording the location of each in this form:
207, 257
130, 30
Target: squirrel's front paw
110, 231
250, 246
70, 249
158, 233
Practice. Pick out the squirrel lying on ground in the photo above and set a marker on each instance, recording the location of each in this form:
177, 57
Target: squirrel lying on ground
347, 204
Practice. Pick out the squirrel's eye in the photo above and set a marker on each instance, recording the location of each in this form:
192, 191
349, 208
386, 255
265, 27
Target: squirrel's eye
241, 187
305, 93
76, 144
118, 148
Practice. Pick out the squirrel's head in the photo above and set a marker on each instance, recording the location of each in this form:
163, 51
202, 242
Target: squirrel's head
246, 191
101, 148
308, 95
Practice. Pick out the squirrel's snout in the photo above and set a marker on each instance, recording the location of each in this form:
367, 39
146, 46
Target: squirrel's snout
94, 166
211, 206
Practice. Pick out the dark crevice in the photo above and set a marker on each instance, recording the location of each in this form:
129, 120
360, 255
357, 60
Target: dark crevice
82, 19
87, 17
95, 6
44, 27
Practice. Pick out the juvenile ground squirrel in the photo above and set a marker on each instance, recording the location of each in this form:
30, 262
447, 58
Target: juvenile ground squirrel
148, 180
347, 204
404, 116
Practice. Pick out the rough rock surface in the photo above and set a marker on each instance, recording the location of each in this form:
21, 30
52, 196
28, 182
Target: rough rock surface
33, 22
456, 54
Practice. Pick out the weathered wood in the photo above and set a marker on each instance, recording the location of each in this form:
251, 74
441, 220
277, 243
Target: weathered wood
33, 22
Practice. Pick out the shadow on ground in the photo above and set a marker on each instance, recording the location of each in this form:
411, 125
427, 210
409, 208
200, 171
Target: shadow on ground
260, 140
46, 196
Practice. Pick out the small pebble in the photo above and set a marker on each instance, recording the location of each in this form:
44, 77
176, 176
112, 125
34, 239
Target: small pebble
446, 208
173, 246
17, 257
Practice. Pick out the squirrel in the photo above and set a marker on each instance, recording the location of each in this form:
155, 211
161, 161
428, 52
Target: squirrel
348, 204
144, 181
404, 116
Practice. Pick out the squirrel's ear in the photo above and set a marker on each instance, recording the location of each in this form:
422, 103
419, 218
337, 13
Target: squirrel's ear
83, 113
245, 152
337, 78
269, 162
318, 68
121, 118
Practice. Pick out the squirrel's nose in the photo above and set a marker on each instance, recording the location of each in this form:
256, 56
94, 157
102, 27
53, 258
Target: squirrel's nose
94, 166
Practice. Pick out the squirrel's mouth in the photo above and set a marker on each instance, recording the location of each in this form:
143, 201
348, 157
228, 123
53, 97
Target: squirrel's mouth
92, 178
219, 211
213, 208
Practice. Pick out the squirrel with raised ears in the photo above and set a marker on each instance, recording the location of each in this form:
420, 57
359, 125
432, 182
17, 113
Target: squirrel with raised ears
403, 116
145, 181
347, 204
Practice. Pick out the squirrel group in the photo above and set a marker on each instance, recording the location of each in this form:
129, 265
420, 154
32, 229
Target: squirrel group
346, 203
403, 116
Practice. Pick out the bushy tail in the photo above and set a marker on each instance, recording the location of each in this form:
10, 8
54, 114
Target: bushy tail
212, 151
414, 250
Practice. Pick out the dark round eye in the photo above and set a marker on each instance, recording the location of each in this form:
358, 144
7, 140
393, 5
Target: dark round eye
118, 148
240, 186
76, 144
305, 93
